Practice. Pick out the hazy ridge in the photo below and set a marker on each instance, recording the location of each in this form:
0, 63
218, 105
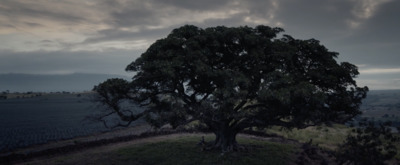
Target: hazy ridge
76, 82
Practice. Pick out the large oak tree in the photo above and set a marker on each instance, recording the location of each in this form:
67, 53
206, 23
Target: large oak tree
235, 78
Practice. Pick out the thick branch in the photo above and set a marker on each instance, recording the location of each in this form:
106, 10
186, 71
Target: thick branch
240, 105
253, 106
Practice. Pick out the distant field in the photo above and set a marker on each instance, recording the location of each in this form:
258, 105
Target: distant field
34, 119
382, 105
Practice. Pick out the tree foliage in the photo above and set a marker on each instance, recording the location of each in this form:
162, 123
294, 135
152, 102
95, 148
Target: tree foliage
370, 143
235, 78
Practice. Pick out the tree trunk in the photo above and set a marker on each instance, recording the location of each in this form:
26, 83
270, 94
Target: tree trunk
225, 139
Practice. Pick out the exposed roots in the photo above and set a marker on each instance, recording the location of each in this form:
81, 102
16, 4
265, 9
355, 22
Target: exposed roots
223, 147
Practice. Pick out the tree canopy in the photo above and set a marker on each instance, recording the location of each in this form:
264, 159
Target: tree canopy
233, 78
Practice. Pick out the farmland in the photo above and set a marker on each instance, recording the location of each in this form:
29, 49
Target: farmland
382, 105
35, 119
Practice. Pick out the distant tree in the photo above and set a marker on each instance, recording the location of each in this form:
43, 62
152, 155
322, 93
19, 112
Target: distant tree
235, 78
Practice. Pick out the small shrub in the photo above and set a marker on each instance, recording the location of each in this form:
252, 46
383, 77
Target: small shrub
369, 144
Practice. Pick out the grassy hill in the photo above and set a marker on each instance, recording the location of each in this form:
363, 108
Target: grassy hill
179, 149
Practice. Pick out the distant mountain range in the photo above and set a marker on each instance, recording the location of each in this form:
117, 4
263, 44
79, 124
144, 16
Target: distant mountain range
76, 82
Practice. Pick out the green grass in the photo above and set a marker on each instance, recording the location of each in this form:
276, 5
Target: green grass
184, 151
323, 136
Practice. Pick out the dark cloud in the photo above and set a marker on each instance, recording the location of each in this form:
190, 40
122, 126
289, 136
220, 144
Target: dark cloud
17, 9
31, 24
315, 18
134, 13
134, 17
196, 5
382, 56
234, 21
155, 13
141, 16
46, 41
123, 35
375, 42
6, 25
381, 28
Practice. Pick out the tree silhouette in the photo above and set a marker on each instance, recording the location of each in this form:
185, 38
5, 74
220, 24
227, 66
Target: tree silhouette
235, 78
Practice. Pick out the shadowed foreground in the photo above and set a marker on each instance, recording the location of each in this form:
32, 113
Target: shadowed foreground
179, 149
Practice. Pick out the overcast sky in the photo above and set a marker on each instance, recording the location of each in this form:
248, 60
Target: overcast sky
103, 36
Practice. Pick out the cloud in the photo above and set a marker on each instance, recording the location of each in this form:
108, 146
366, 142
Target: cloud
196, 5
71, 23
365, 9
379, 78
371, 54
95, 21
126, 35
381, 28
30, 12
92, 22
161, 13
314, 18
150, 20
379, 84
31, 24
380, 71
362, 31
